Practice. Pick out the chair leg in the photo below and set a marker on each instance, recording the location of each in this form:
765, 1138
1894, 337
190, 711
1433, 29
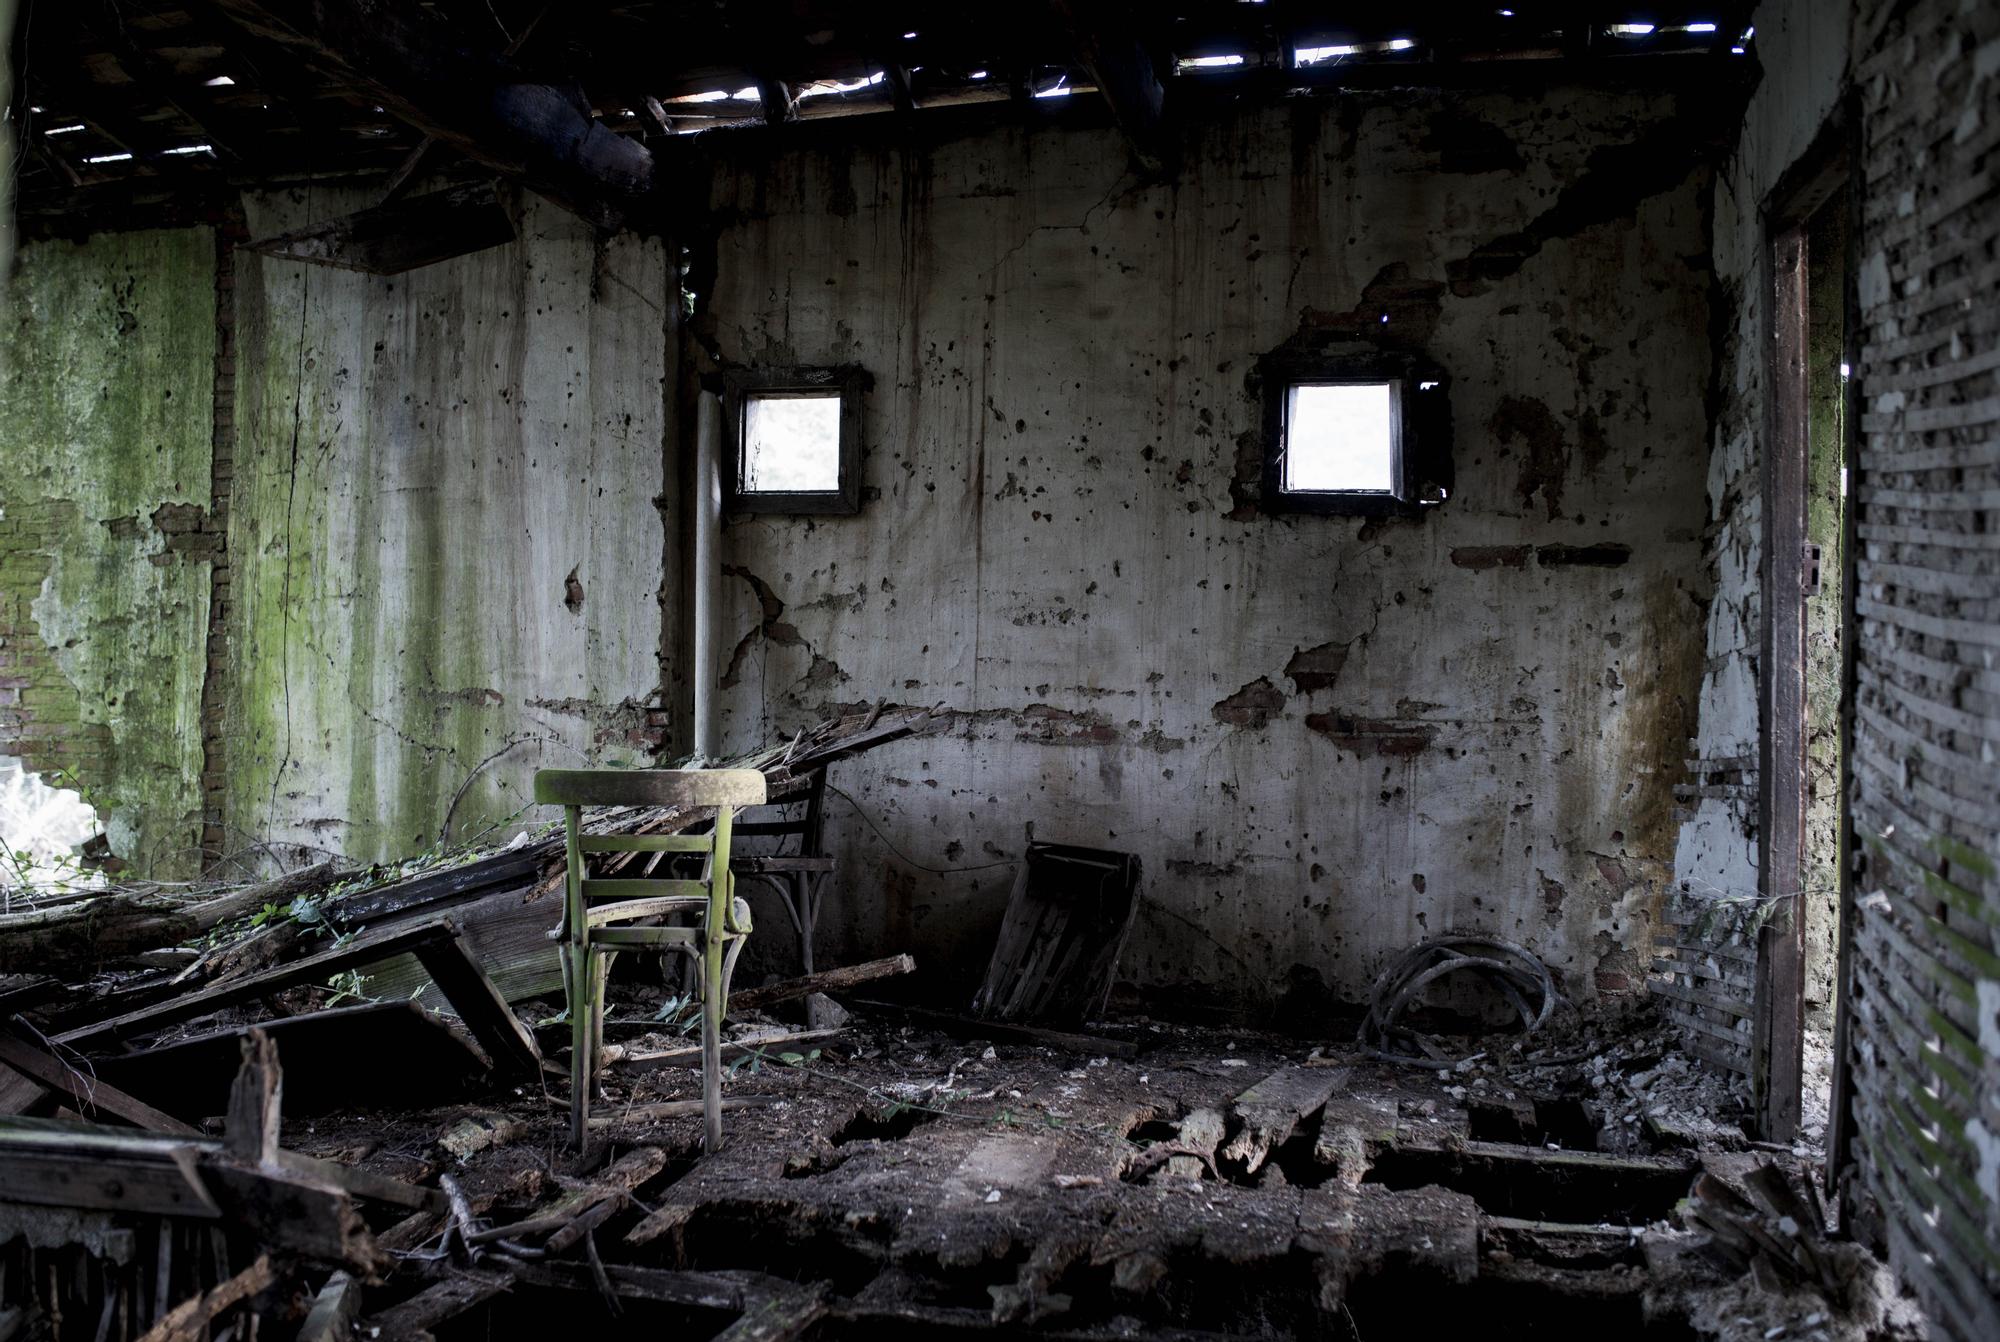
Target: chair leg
598, 993
577, 971
711, 1042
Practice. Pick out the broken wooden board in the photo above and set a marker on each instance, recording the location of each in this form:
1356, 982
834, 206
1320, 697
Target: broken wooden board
1272, 1110
1065, 926
417, 1060
54, 1163
358, 952
485, 1013
826, 981
191, 1320
971, 1027
86, 1093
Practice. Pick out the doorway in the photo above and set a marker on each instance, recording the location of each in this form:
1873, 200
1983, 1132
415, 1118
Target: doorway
1808, 597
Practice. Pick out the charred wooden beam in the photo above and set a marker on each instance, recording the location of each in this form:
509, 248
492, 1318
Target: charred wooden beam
404, 235
1107, 44
472, 99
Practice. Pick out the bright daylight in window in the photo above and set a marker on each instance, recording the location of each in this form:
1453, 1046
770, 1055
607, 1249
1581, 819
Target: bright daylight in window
791, 443
1340, 438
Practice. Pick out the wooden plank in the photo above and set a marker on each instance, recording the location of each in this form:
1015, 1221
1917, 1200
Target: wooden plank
1695, 997
650, 787
334, 1309
1272, 1109
86, 1093
971, 1027
782, 1316
1122, 69
363, 950
190, 1320
826, 981
447, 1299
493, 1024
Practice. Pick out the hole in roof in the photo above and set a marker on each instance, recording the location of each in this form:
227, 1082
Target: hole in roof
107, 158
1208, 62
791, 442
1633, 29
220, 82
64, 130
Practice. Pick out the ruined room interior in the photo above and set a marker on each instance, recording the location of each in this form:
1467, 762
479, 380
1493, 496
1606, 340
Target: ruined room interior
783, 669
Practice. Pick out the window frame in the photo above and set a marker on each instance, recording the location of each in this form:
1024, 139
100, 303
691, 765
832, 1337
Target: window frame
1280, 455
740, 385
1419, 430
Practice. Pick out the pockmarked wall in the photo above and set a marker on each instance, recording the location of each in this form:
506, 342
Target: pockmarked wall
447, 530
107, 354
1328, 738
1801, 46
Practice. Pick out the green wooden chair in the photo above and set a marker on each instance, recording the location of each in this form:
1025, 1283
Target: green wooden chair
597, 912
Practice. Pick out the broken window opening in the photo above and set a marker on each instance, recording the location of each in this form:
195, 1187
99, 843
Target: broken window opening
1354, 430
1343, 438
795, 439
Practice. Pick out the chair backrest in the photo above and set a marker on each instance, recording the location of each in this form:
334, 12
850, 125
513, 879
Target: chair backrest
650, 787
804, 826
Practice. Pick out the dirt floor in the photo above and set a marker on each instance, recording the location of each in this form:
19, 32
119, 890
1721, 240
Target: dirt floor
923, 1183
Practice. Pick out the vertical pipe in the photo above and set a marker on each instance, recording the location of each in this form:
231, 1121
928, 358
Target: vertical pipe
707, 576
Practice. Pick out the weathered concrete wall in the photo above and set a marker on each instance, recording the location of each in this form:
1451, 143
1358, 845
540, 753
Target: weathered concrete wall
1802, 45
446, 530
1328, 738
106, 359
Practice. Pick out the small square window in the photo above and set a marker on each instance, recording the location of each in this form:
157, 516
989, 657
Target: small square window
794, 439
791, 443
1353, 430
1341, 438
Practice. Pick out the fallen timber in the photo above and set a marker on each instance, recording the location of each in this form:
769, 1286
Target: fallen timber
497, 908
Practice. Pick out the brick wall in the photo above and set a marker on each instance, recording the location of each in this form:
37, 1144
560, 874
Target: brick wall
40, 713
104, 556
1925, 995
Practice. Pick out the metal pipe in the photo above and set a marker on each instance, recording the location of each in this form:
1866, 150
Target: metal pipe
707, 576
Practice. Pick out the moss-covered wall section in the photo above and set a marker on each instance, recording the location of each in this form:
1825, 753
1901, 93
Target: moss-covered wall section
107, 356
446, 531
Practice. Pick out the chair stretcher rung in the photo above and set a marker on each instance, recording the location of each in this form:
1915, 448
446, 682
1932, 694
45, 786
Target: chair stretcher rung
640, 889
625, 938
646, 843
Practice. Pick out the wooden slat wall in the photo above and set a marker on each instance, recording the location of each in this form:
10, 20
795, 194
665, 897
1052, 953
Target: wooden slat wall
1925, 993
1705, 975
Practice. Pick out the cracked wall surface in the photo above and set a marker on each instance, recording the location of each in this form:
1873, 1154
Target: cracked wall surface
1327, 737
105, 367
446, 530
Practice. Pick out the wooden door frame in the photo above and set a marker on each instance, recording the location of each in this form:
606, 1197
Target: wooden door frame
1778, 1046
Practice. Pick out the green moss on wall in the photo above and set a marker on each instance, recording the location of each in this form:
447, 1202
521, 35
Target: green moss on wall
422, 461
107, 361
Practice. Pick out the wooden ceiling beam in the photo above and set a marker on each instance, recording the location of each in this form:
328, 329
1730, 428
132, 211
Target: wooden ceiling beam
469, 96
1107, 44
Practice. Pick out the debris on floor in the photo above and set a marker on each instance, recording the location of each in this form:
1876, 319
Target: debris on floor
349, 1122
